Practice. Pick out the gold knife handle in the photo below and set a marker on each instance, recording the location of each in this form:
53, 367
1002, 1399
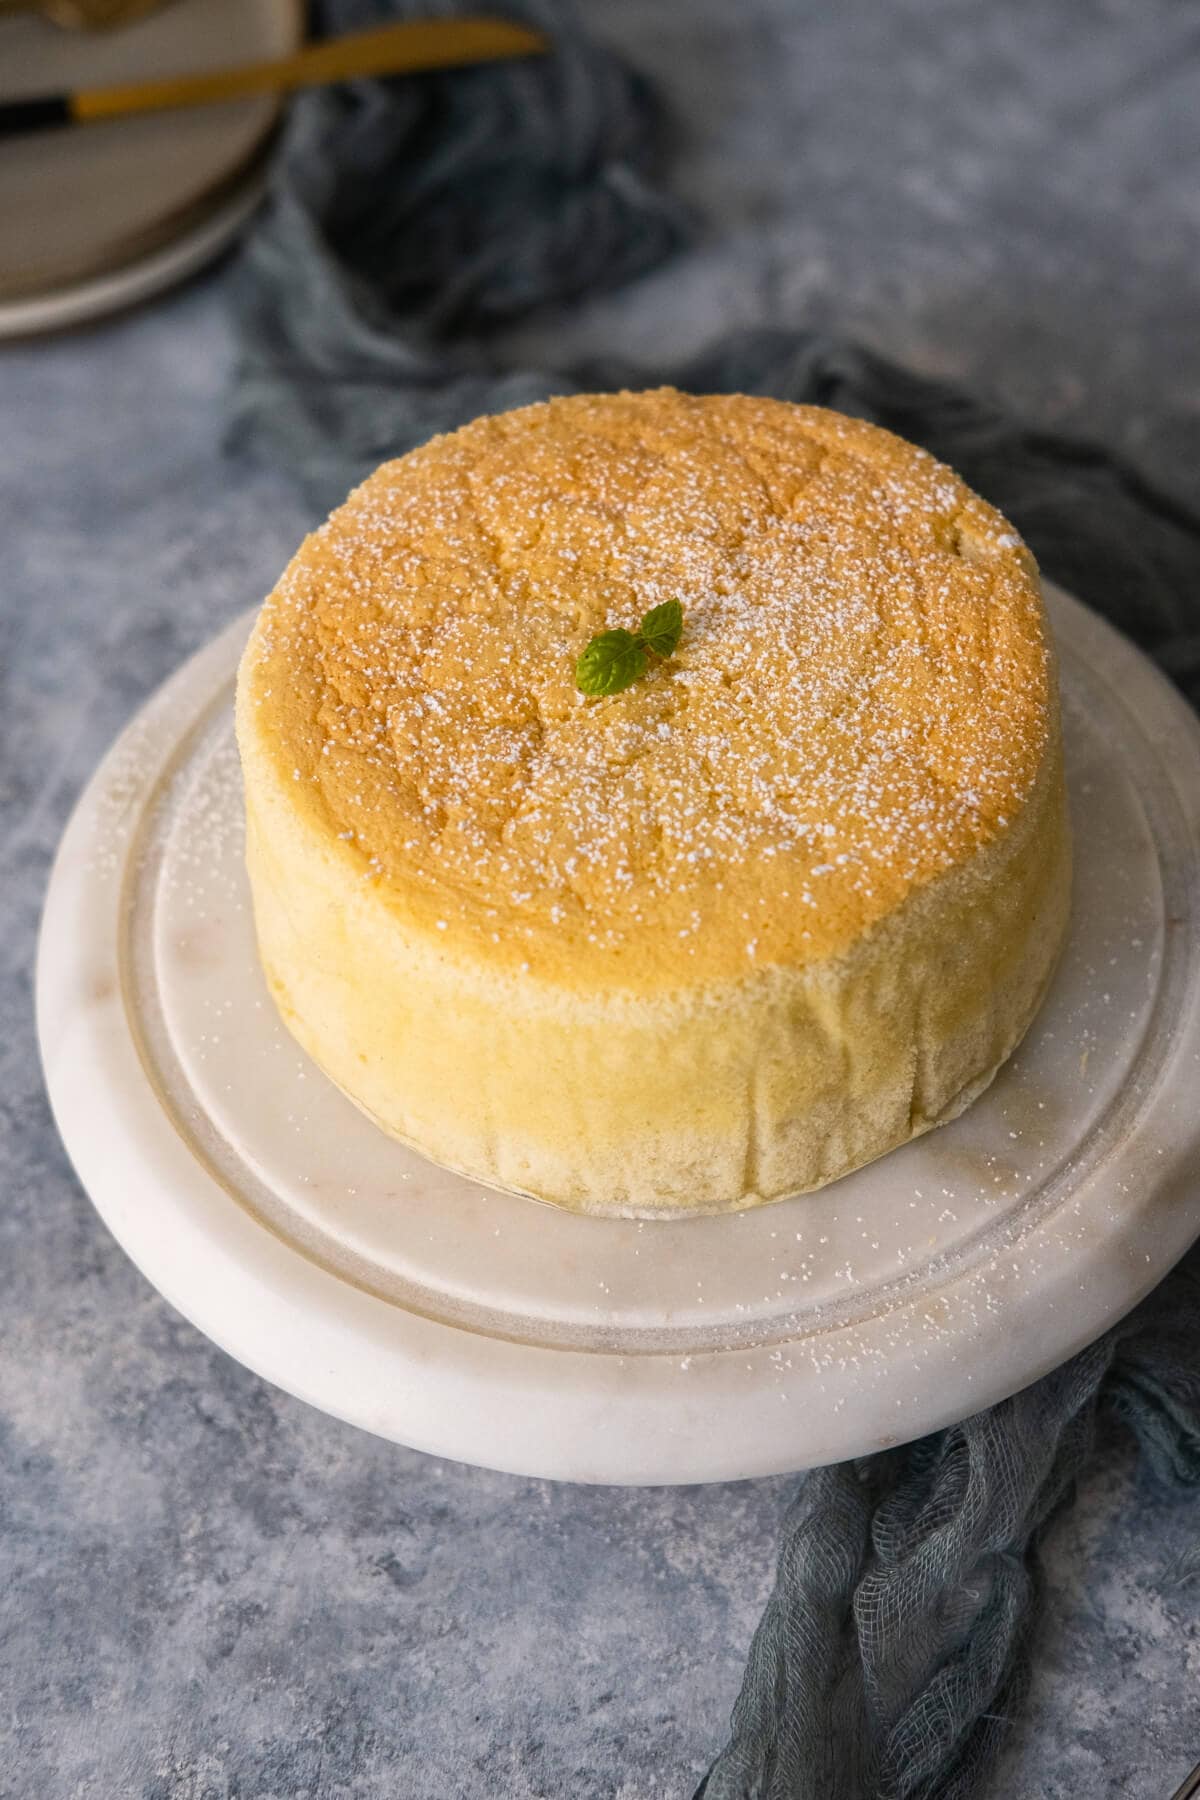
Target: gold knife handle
389, 50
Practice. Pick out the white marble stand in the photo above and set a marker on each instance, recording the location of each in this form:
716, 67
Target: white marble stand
485, 1327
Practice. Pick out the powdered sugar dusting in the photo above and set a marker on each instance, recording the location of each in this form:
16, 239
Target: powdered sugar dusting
861, 697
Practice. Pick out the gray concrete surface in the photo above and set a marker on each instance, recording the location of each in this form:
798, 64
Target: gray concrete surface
210, 1592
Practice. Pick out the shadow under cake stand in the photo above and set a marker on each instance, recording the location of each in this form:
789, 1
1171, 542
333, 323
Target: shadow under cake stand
478, 1325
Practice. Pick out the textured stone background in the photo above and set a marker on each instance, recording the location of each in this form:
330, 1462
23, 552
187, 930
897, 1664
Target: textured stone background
208, 1591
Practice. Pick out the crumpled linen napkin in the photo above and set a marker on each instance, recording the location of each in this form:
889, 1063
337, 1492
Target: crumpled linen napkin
409, 220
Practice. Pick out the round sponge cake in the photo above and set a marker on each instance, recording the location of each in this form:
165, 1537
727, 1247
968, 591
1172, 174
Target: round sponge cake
784, 902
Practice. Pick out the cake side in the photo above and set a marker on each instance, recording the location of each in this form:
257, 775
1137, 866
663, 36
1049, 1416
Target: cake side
707, 1098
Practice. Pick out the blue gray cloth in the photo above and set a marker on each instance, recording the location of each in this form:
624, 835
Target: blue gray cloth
410, 221
893, 1653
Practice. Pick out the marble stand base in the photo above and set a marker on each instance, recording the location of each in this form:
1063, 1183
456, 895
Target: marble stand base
481, 1326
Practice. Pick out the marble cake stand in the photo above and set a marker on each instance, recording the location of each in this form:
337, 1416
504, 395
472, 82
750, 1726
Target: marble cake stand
481, 1326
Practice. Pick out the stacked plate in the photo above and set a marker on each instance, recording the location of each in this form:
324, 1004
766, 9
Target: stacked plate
95, 217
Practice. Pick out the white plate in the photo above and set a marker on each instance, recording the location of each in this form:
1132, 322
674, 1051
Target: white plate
98, 215
141, 280
485, 1327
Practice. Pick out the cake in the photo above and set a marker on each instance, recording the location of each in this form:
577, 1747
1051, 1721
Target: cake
787, 899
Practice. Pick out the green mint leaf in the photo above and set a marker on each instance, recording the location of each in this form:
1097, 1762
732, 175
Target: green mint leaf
612, 661
662, 628
616, 659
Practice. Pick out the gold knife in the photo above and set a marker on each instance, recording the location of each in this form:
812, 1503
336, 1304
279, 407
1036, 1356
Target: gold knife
399, 49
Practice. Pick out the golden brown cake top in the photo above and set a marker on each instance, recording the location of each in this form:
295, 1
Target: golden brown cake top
861, 697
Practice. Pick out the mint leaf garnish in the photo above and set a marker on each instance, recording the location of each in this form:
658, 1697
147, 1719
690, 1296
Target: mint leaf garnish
614, 660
